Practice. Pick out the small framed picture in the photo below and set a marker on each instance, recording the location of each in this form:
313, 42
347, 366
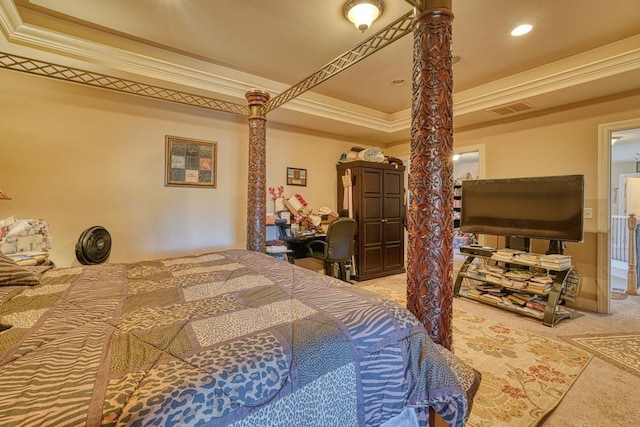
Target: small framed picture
637, 166
297, 176
190, 162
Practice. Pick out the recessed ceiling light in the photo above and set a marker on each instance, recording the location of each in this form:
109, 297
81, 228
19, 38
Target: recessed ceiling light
521, 30
397, 82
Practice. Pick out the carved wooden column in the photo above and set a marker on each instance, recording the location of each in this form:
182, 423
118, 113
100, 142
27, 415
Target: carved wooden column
257, 191
430, 219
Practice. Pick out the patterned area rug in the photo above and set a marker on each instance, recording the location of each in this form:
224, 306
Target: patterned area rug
621, 349
524, 376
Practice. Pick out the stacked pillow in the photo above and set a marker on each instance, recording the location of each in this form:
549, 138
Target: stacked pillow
11, 274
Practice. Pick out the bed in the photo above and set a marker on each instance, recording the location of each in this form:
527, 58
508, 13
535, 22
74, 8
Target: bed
231, 337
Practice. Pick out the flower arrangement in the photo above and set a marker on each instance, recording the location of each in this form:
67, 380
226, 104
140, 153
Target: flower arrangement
276, 193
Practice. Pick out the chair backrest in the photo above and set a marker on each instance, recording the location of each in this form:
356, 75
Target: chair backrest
284, 229
340, 235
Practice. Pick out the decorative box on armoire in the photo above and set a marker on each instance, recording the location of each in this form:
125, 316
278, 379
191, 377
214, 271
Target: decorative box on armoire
377, 198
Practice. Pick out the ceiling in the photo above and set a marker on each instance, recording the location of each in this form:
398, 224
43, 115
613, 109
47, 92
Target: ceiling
578, 51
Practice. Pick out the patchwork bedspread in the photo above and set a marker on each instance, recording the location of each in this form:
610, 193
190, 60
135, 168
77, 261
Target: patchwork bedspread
226, 338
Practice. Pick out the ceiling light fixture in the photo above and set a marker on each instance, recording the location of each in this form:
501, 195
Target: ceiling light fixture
521, 30
397, 82
362, 13
456, 157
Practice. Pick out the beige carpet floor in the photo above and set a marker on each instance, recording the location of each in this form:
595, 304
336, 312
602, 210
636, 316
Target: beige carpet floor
604, 394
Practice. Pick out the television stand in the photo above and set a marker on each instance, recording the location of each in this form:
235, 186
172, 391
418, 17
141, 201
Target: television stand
524, 283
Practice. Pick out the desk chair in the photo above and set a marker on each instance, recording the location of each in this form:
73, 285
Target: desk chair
336, 248
284, 229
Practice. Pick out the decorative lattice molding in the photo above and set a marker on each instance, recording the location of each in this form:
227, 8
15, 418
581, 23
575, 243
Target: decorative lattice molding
89, 78
394, 31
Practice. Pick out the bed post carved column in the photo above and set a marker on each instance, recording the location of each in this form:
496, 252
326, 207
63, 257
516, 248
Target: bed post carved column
430, 219
257, 191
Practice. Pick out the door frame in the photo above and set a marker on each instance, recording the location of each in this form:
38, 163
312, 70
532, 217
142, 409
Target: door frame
603, 283
470, 148
480, 148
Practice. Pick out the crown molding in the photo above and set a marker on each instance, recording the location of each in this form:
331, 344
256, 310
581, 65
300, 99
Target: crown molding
606, 61
176, 69
219, 81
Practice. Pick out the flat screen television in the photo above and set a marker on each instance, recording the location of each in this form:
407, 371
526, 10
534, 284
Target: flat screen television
546, 207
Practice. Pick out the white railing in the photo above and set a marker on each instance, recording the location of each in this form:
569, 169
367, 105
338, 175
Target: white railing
619, 238
624, 247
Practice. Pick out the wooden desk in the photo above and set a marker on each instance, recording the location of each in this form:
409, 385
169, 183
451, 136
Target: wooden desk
298, 244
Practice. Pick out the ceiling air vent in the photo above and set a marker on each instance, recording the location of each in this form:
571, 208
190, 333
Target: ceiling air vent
516, 107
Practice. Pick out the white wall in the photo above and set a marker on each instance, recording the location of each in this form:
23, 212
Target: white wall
77, 157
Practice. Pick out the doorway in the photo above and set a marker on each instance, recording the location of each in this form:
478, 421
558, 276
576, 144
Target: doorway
618, 147
625, 200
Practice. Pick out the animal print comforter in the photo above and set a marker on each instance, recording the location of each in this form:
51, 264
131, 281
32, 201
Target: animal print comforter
227, 338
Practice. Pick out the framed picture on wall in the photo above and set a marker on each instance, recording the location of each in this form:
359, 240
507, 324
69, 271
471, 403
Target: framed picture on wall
296, 176
190, 162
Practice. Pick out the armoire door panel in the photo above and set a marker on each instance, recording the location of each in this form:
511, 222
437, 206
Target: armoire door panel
393, 184
393, 257
372, 261
371, 208
393, 208
393, 232
371, 181
372, 233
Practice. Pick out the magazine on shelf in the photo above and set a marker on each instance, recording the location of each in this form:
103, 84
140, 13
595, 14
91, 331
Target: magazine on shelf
536, 304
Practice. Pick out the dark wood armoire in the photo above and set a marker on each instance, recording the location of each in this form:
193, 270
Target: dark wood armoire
377, 193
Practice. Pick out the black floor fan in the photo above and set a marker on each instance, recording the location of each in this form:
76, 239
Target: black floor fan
94, 245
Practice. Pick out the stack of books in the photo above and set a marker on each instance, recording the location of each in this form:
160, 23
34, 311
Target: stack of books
515, 279
528, 258
486, 273
474, 293
519, 275
513, 284
540, 305
555, 261
506, 254
537, 304
519, 298
540, 284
